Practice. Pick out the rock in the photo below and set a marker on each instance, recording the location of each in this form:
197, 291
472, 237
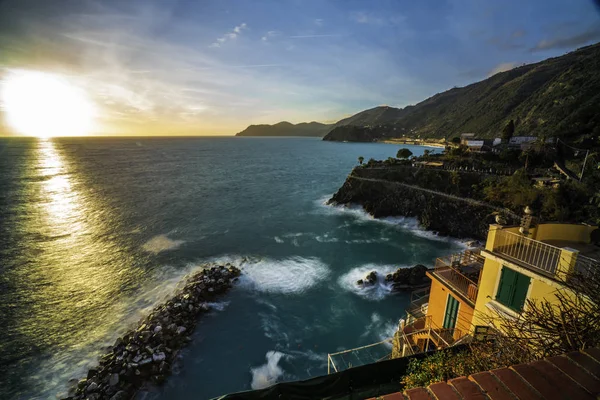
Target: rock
180, 330
158, 357
372, 277
92, 387
114, 380
91, 373
120, 395
145, 361
157, 329
360, 282
93, 396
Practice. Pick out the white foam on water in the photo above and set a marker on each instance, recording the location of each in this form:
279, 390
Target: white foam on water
376, 291
217, 306
267, 374
410, 224
292, 275
278, 239
161, 243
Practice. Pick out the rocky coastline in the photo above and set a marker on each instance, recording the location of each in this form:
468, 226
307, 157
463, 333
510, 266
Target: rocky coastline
144, 355
388, 192
403, 279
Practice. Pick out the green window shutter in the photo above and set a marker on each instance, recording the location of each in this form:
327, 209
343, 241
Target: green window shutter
451, 313
506, 286
512, 289
520, 292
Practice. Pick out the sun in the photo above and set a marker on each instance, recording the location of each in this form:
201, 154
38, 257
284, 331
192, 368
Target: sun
45, 105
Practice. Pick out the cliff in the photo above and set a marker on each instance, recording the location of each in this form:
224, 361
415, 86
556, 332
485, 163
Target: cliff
555, 97
439, 200
307, 129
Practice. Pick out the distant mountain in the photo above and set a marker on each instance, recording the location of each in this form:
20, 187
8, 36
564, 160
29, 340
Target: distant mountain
556, 97
287, 129
374, 116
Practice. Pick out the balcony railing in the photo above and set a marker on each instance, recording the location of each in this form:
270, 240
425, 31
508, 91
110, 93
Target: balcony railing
532, 253
461, 272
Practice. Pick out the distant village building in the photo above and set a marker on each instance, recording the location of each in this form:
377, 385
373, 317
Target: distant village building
466, 136
479, 145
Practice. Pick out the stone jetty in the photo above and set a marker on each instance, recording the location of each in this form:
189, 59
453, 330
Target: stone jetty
144, 355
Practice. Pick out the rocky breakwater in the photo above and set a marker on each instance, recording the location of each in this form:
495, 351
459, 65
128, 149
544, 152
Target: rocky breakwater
403, 279
144, 355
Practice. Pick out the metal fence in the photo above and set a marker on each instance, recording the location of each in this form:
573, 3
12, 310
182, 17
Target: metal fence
540, 256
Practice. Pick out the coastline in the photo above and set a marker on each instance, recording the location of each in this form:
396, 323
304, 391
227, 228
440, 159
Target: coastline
398, 142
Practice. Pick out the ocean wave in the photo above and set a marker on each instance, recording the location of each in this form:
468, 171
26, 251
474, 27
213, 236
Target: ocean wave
380, 329
161, 243
375, 292
292, 275
278, 239
410, 224
267, 374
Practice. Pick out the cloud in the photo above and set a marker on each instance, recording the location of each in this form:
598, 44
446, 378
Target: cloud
229, 35
269, 35
502, 68
364, 18
314, 36
592, 34
518, 33
318, 22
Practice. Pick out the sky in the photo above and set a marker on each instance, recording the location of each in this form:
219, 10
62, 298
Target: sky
167, 67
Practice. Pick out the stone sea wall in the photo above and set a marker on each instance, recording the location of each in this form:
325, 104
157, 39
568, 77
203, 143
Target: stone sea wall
144, 355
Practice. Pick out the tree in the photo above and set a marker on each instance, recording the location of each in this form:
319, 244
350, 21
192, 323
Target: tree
508, 131
456, 140
426, 153
361, 159
404, 153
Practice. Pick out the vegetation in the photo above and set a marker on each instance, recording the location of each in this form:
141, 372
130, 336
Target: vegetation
404, 153
456, 140
361, 159
315, 129
508, 131
557, 97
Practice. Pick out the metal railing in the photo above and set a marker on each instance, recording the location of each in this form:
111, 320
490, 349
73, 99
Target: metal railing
532, 253
585, 266
456, 279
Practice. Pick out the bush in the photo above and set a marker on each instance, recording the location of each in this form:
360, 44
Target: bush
404, 153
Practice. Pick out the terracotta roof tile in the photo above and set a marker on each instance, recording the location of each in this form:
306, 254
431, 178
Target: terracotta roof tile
594, 353
418, 394
558, 379
516, 385
442, 390
491, 386
578, 374
586, 362
467, 389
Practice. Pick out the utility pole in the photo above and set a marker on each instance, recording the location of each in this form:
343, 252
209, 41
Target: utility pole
583, 168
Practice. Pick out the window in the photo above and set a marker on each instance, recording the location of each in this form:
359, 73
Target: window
451, 312
512, 290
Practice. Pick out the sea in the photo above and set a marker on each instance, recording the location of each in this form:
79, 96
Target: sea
96, 231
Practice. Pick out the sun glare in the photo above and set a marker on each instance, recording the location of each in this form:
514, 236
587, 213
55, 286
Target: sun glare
45, 105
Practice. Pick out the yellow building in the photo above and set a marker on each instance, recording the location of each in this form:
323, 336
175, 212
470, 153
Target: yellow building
475, 288
531, 266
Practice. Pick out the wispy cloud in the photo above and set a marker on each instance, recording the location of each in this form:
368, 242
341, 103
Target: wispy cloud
503, 67
362, 17
229, 35
318, 22
563, 42
269, 35
314, 36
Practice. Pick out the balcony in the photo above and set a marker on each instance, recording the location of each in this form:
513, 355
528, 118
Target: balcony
418, 305
532, 254
461, 273
421, 336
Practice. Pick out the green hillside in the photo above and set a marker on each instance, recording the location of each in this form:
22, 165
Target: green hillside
555, 97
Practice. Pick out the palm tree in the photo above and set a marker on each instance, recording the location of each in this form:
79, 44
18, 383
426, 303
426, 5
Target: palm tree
361, 159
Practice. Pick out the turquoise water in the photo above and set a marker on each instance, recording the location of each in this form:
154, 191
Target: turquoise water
95, 231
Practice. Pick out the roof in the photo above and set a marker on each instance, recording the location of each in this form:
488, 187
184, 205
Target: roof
574, 375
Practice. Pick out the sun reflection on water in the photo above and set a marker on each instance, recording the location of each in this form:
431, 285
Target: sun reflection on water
79, 274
